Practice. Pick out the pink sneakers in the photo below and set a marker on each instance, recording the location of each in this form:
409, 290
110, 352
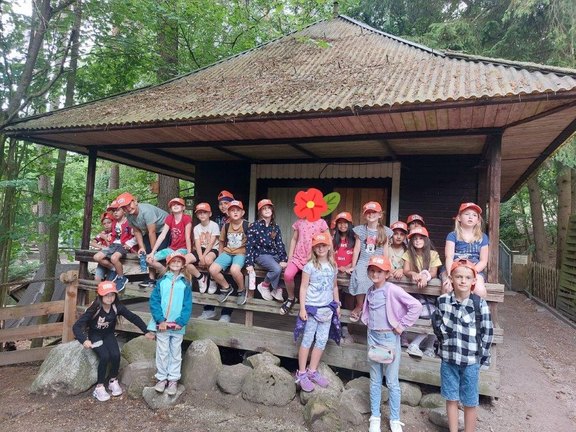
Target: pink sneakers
316, 378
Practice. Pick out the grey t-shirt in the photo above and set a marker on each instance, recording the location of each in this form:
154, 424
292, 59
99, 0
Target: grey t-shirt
148, 215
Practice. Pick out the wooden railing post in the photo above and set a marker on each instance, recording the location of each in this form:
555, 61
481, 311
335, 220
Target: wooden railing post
70, 279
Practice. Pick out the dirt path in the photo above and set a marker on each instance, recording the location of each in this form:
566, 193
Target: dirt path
538, 393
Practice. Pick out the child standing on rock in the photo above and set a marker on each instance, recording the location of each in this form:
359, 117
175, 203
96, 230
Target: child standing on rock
387, 311
100, 322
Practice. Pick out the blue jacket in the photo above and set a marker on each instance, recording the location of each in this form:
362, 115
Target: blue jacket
171, 302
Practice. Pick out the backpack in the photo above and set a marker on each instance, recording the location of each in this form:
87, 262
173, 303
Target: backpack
245, 227
436, 318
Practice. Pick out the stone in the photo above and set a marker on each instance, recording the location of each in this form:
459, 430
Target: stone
321, 415
268, 358
411, 394
158, 401
432, 400
354, 404
201, 365
363, 384
69, 369
138, 375
439, 417
269, 385
139, 349
334, 389
231, 378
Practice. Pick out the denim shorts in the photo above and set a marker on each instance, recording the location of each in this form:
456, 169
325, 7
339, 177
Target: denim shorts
225, 260
460, 383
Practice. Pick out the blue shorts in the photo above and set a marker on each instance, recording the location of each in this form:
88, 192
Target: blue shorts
460, 383
163, 254
225, 261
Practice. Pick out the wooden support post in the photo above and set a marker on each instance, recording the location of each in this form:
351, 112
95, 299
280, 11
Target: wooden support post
70, 279
88, 204
494, 155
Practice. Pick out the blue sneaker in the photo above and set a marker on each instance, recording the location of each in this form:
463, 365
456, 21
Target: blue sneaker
121, 282
112, 275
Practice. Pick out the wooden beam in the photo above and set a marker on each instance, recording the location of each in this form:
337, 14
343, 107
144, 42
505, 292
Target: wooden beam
24, 356
88, 207
70, 279
16, 312
304, 151
31, 332
494, 153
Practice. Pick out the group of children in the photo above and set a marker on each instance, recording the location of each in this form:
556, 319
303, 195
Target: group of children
371, 253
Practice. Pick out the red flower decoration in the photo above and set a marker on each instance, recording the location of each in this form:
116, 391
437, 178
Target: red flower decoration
309, 204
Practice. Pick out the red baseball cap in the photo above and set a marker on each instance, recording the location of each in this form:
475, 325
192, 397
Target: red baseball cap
399, 225
343, 215
176, 201
415, 217
380, 261
236, 203
463, 263
106, 215
124, 199
264, 202
112, 206
203, 207
371, 206
467, 205
321, 239
225, 196
174, 255
106, 287
418, 230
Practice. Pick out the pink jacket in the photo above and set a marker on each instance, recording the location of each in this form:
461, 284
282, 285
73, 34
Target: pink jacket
401, 308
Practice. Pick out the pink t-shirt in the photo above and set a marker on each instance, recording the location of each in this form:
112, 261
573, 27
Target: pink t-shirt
178, 231
306, 230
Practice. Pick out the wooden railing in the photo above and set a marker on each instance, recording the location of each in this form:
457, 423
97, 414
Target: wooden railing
59, 329
543, 283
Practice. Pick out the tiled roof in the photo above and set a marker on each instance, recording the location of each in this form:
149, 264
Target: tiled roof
335, 65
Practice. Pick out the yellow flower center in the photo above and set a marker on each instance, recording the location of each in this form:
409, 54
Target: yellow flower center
310, 204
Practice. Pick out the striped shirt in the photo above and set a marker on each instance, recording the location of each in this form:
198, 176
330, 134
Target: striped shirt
458, 328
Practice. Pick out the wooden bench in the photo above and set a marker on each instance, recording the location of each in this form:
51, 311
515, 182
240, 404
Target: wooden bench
258, 326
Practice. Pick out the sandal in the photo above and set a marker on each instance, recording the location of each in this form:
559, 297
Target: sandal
355, 316
287, 306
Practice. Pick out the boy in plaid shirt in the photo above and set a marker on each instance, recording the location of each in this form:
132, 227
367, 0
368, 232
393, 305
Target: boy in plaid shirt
462, 349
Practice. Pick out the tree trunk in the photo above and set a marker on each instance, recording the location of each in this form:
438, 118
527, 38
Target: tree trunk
573, 191
563, 184
540, 242
114, 180
43, 212
167, 40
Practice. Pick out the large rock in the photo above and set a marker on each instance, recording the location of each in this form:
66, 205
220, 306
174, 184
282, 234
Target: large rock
157, 400
257, 359
139, 349
363, 384
411, 393
138, 375
201, 365
439, 417
432, 400
321, 415
69, 369
334, 389
354, 404
269, 385
231, 378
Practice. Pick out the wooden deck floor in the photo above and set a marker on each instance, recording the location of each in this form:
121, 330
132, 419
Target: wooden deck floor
257, 326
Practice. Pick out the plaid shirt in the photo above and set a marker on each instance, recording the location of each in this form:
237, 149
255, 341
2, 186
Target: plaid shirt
459, 331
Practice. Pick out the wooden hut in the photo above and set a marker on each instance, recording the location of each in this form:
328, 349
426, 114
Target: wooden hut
342, 107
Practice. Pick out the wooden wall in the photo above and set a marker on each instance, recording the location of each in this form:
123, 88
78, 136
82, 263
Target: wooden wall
212, 177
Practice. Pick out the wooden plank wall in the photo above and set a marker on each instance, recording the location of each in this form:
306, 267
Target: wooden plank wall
566, 301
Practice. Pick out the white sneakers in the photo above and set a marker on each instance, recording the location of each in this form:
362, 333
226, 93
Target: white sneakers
212, 287
207, 314
100, 393
224, 318
114, 387
414, 351
277, 294
264, 292
396, 425
203, 283
374, 424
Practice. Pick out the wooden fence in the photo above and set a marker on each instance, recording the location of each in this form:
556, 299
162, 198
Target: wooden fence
566, 302
543, 283
60, 329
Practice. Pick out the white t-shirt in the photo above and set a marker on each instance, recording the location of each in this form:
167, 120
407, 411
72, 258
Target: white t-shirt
205, 234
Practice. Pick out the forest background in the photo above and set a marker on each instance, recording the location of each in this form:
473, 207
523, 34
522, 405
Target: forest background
57, 53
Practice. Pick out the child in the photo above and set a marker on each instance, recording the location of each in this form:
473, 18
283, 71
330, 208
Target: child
465, 335
179, 225
398, 248
206, 243
371, 239
232, 254
209, 312
415, 221
318, 303
343, 244
171, 307
469, 242
122, 241
266, 248
421, 263
100, 322
299, 255
387, 311
102, 240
